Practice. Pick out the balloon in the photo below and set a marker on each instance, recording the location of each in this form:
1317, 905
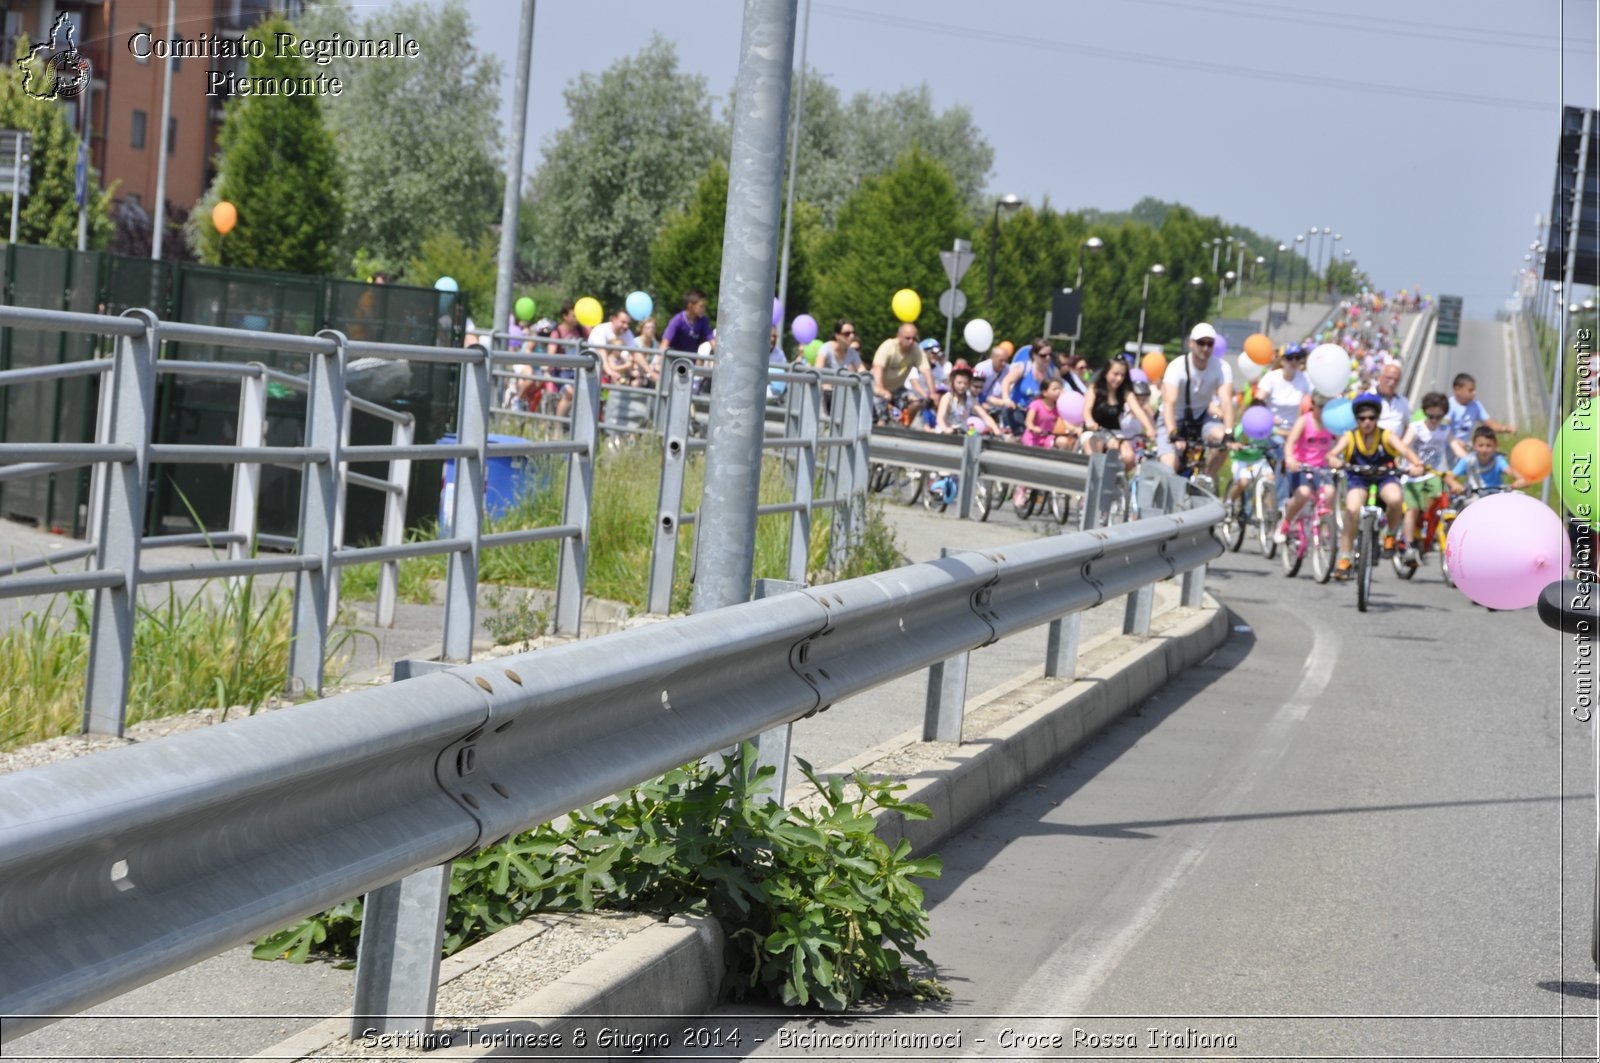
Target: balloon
811, 350
1575, 465
777, 312
1139, 376
1504, 549
1154, 366
1329, 369
907, 305
804, 329
979, 335
1259, 348
1338, 417
1250, 369
525, 309
1220, 347
588, 312
1531, 458
446, 284
639, 305
224, 216
1070, 406
1417, 415
1257, 422
1005, 345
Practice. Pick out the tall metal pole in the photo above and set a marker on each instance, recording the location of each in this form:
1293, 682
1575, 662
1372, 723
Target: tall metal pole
726, 529
1558, 378
1305, 276
165, 139
794, 166
1144, 300
88, 127
1094, 243
16, 184
1288, 297
994, 240
506, 266
1272, 287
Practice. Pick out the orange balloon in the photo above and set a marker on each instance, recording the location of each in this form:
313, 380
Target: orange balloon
224, 216
1259, 348
1154, 366
1009, 349
1530, 459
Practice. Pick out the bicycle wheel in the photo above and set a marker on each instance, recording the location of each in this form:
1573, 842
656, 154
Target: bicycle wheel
1324, 546
936, 494
1444, 560
1295, 550
1059, 507
1364, 557
1267, 516
981, 500
1233, 525
1033, 503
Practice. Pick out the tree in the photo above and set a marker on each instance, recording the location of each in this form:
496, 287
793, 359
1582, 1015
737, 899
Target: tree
471, 266
49, 213
889, 235
641, 135
278, 167
417, 139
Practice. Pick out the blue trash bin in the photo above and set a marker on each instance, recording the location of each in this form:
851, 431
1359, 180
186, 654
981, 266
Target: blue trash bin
506, 482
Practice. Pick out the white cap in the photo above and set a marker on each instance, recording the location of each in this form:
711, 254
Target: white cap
1202, 331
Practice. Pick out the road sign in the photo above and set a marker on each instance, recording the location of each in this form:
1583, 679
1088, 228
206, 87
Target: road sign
957, 262
952, 302
1449, 321
1066, 305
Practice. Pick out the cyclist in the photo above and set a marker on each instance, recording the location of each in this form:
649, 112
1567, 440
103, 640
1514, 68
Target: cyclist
1485, 466
959, 408
1284, 390
1371, 454
1031, 370
1112, 400
1249, 461
1305, 459
1430, 438
1043, 427
933, 384
892, 365
1466, 413
1188, 388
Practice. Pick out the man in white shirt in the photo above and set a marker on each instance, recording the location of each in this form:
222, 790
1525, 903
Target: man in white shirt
1396, 413
1188, 388
621, 367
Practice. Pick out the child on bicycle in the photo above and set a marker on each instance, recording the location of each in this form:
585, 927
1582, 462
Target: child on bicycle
1485, 467
1371, 454
1039, 428
1249, 462
1430, 438
1305, 461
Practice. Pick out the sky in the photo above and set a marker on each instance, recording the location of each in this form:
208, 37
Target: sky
1423, 133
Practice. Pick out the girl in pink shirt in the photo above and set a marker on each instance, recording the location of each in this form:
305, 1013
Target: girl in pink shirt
1305, 457
1040, 428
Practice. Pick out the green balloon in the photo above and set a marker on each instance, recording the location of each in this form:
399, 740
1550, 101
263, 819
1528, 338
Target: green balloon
1575, 465
1417, 415
811, 350
525, 309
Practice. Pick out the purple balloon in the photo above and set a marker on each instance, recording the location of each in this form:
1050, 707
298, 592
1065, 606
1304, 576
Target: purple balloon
1221, 348
1257, 422
777, 312
804, 329
1504, 549
1139, 376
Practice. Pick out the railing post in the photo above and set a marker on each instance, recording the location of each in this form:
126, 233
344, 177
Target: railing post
341, 499
1094, 493
677, 379
971, 459
466, 518
132, 383
1064, 634
319, 489
806, 401
102, 434
580, 495
1141, 603
394, 521
947, 693
862, 455
247, 475
772, 745
844, 477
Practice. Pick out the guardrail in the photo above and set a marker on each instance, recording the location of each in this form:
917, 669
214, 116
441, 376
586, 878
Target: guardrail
129, 864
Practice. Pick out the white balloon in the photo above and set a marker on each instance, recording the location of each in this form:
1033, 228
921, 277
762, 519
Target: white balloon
979, 335
1329, 369
1250, 369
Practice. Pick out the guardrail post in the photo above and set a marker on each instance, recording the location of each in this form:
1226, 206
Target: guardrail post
466, 518
325, 399
580, 494
678, 380
394, 521
102, 434
806, 396
341, 499
971, 456
247, 476
1064, 634
947, 693
1094, 493
133, 386
861, 454
844, 477
834, 409
1141, 603
772, 746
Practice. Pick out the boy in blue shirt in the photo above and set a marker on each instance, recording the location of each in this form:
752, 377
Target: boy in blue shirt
1466, 413
1485, 465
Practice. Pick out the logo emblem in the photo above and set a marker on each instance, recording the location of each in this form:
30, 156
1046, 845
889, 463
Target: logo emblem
55, 70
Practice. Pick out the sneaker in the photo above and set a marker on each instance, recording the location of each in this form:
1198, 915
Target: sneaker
1342, 569
1281, 536
1388, 546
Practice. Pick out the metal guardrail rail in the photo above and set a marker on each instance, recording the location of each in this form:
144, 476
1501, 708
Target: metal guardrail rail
123, 866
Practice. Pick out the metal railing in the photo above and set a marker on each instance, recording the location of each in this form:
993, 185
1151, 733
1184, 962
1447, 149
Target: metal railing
131, 863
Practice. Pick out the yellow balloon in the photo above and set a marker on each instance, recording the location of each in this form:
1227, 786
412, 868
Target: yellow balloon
588, 312
907, 305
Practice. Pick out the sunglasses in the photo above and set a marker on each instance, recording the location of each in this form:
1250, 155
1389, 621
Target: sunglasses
1205, 343
1366, 417
847, 332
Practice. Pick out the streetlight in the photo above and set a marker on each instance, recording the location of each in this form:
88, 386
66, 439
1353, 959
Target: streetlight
1327, 261
1311, 262
1299, 238
1216, 249
1195, 284
1272, 284
1255, 266
1094, 243
1138, 348
1222, 284
1010, 201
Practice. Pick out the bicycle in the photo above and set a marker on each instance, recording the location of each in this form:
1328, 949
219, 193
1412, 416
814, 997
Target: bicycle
1313, 532
1430, 531
1367, 545
1258, 506
897, 482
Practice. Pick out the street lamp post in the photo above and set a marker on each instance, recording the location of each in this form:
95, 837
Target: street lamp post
1311, 258
1094, 243
1255, 268
1272, 284
1216, 250
1010, 201
1222, 284
1327, 280
1195, 285
1299, 238
1138, 348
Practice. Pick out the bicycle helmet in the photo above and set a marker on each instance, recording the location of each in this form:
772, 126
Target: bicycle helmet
1368, 399
931, 344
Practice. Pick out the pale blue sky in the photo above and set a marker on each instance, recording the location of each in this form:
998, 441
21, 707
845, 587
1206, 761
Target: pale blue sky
1423, 132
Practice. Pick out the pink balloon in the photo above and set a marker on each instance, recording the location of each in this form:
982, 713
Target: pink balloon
1257, 422
1070, 407
1504, 549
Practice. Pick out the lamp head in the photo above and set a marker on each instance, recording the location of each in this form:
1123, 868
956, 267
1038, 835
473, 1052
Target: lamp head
1094, 243
1010, 201
1158, 269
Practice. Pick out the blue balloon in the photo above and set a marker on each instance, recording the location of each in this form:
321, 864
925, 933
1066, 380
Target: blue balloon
639, 305
1338, 417
447, 284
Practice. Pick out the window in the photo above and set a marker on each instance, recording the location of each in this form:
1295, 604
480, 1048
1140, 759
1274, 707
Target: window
140, 119
172, 134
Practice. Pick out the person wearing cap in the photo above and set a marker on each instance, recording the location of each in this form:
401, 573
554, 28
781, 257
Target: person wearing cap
1188, 389
1370, 453
1284, 390
959, 408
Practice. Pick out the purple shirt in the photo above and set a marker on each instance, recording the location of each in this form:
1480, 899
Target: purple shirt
681, 335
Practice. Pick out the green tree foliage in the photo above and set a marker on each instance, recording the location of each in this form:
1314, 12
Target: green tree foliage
641, 135
49, 213
889, 235
279, 168
471, 266
417, 139
687, 252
